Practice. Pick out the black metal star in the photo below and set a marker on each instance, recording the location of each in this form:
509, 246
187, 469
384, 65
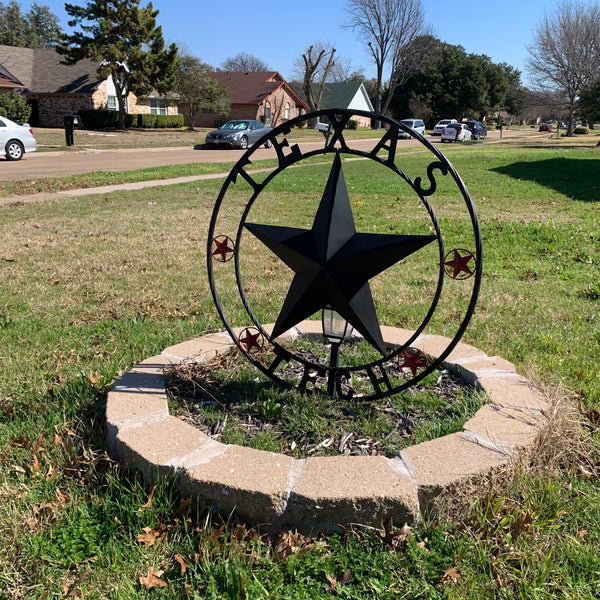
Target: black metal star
333, 263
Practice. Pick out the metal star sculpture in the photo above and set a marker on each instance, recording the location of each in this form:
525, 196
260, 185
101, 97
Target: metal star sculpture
333, 263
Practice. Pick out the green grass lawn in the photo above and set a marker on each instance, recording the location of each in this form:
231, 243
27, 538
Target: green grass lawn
93, 285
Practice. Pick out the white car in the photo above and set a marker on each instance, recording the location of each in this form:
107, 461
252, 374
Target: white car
415, 124
439, 126
456, 132
15, 139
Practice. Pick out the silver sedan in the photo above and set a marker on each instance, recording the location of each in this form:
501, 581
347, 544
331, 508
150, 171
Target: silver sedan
15, 139
238, 134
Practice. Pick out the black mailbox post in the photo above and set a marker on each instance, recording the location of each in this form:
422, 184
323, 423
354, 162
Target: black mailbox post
71, 122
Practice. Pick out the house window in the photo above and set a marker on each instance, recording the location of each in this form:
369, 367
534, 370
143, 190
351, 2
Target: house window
267, 114
111, 103
158, 106
286, 112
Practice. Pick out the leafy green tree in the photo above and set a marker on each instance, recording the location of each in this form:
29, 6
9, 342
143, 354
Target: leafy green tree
39, 28
451, 83
14, 107
13, 27
43, 27
197, 91
128, 46
589, 101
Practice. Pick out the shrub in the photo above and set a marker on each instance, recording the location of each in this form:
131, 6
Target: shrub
99, 119
15, 107
169, 121
581, 129
352, 124
147, 121
3, 112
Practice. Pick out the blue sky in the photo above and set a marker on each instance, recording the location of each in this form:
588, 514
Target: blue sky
277, 32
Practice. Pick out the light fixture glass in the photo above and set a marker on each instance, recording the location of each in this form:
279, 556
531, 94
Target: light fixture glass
335, 328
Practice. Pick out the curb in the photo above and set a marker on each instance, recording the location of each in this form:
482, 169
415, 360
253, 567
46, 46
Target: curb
324, 493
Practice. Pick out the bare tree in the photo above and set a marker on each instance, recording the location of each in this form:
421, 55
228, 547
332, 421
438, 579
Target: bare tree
244, 62
387, 27
315, 68
565, 53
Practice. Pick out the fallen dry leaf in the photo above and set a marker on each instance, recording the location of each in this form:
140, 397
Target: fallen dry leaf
153, 579
184, 506
587, 474
182, 563
153, 536
340, 579
291, 542
332, 583
451, 576
36, 464
149, 501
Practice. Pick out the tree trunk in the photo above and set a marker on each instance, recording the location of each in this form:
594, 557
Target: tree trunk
120, 92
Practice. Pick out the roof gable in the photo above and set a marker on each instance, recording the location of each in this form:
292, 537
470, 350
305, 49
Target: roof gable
7, 79
253, 87
345, 95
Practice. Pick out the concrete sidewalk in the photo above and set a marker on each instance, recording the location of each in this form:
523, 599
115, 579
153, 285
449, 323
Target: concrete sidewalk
108, 189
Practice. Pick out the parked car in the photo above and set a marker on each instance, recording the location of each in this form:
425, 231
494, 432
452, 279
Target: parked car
15, 139
238, 134
415, 124
545, 127
439, 126
477, 129
456, 132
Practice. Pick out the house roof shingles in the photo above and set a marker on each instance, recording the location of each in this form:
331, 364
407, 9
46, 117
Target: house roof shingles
41, 71
7, 79
253, 87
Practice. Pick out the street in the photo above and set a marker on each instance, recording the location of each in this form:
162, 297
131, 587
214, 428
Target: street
79, 160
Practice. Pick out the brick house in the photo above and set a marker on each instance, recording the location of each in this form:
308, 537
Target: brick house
54, 90
262, 95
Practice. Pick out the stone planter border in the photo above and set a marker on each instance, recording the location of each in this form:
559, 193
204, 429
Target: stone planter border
323, 493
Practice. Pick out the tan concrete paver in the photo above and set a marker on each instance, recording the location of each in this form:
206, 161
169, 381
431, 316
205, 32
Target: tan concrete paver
512, 391
505, 429
156, 448
434, 345
251, 482
473, 368
351, 489
201, 349
445, 465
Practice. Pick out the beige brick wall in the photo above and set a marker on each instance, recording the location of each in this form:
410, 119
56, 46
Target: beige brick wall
276, 101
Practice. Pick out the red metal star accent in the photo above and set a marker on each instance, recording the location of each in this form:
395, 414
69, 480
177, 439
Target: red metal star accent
458, 264
412, 359
222, 248
251, 339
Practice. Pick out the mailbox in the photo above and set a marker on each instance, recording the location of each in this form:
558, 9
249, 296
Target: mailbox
71, 122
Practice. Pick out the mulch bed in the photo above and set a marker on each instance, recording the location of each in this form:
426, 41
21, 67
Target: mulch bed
195, 387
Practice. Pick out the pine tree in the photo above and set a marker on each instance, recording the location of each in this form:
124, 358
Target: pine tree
125, 41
